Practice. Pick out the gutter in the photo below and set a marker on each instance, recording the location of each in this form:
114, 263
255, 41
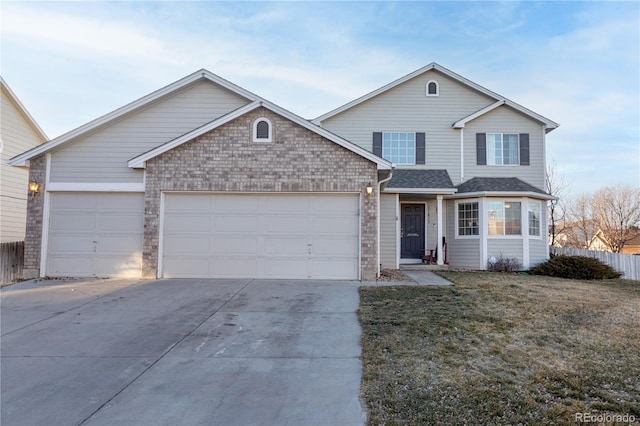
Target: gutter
393, 167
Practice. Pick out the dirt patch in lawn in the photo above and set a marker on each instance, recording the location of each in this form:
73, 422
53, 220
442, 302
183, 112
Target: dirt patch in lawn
500, 349
393, 275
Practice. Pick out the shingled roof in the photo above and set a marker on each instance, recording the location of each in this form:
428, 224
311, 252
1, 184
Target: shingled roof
420, 179
497, 184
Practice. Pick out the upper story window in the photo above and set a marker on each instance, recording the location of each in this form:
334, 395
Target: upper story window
262, 130
399, 147
504, 218
433, 88
503, 149
468, 218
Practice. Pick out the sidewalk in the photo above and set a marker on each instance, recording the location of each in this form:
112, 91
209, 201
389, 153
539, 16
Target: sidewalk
418, 277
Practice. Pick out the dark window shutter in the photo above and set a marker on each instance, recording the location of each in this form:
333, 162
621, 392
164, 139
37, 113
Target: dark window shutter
481, 149
420, 148
433, 88
262, 130
377, 143
524, 149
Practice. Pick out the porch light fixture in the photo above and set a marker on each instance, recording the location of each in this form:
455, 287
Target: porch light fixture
369, 189
34, 186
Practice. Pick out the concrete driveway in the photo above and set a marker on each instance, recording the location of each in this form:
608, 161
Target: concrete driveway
180, 352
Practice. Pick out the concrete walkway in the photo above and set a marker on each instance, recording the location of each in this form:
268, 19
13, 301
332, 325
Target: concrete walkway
419, 278
180, 352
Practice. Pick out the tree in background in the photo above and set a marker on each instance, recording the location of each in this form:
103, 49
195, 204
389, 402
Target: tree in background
616, 211
579, 228
555, 185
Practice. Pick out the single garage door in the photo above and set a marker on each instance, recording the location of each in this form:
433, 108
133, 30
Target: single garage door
261, 236
95, 234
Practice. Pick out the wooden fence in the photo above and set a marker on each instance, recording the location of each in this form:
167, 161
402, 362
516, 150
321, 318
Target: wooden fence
11, 261
627, 264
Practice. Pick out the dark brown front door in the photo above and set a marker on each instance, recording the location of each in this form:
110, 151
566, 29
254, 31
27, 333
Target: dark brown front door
412, 231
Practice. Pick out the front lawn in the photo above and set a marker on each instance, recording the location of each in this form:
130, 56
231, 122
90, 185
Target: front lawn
500, 349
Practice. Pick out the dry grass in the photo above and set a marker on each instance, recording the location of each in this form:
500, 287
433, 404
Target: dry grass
500, 349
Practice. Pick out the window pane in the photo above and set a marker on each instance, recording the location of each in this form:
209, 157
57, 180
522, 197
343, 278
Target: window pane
399, 147
511, 149
534, 219
468, 219
512, 218
496, 218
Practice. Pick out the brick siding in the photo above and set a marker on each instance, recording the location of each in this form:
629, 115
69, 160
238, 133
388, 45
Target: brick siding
226, 159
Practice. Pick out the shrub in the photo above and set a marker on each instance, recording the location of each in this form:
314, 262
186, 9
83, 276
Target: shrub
503, 264
576, 267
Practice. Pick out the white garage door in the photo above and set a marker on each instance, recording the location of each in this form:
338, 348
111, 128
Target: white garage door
261, 236
95, 234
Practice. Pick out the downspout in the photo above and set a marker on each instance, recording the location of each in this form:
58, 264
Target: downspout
393, 167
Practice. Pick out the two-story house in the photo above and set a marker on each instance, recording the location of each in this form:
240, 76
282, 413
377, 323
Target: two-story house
203, 178
470, 169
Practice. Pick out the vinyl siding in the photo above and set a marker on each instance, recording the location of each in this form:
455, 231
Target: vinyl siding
505, 120
388, 240
407, 108
102, 156
18, 135
461, 253
538, 247
505, 247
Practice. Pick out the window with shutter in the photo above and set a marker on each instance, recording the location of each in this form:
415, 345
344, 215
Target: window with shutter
432, 88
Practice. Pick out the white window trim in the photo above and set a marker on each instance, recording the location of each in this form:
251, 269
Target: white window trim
502, 139
255, 130
437, 88
540, 206
457, 235
414, 147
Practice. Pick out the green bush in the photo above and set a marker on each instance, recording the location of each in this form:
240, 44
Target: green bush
576, 267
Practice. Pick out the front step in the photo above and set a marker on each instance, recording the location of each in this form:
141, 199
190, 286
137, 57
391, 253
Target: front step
422, 267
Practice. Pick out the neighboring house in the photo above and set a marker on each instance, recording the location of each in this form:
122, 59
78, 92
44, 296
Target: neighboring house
632, 246
470, 169
585, 236
205, 179
18, 133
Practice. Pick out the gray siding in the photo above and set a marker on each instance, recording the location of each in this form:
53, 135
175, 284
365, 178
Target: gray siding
407, 108
388, 230
18, 135
461, 253
102, 156
538, 247
504, 120
507, 247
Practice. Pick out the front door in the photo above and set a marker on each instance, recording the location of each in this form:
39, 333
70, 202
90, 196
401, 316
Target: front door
412, 231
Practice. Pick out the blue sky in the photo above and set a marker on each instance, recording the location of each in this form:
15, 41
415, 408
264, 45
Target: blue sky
577, 63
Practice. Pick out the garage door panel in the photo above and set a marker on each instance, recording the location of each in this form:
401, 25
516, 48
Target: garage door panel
71, 244
287, 225
234, 245
187, 203
286, 246
242, 267
334, 247
70, 266
188, 223
192, 245
116, 244
290, 268
119, 223
333, 269
186, 267
72, 223
237, 224
335, 225
95, 234
264, 236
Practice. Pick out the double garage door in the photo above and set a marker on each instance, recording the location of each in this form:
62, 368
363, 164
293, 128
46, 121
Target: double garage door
207, 235
260, 236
